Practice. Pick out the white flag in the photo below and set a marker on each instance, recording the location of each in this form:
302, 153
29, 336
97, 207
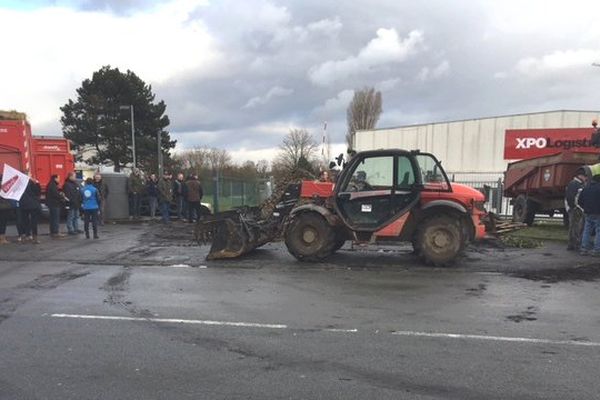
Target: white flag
13, 183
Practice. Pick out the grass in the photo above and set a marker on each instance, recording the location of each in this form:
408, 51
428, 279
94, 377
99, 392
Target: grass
535, 235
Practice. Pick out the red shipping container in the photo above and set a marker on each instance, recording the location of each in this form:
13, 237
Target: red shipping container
51, 156
15, 144
42, 156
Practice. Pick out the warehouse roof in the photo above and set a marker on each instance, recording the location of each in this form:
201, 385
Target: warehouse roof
475, 119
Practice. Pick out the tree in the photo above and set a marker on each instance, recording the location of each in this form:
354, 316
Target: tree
101, 131
202, 159
363, 112
262, 168
297, 150
218, 159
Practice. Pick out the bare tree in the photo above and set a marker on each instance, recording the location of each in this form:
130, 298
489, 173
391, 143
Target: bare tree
297, 150
202, 158
262, 168
197, 158
363, 112
218, 159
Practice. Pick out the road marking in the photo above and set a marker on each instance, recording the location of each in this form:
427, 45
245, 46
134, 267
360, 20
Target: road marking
173, 321
495, 338
340, 330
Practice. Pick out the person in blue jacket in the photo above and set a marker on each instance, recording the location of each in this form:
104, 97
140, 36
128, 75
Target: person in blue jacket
91, 205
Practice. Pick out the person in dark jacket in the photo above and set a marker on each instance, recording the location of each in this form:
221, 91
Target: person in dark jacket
589, 200
194, 194
165, 196
73, 196
5, 212
179, 192
135, 188
103, 191
54, 201
30, 207
596, 134
575, 214
152, 193
90, 204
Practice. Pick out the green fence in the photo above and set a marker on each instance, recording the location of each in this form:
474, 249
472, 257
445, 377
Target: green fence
225, 193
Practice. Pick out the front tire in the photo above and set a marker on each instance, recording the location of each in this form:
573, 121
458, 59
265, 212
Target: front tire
309, 237
440, 240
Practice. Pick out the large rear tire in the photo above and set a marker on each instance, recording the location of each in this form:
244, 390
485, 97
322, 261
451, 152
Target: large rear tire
440, 240
309, 237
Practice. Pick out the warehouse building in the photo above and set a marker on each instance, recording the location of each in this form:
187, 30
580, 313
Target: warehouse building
471, 150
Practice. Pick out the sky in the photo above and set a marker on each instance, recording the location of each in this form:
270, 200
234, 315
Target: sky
240, 74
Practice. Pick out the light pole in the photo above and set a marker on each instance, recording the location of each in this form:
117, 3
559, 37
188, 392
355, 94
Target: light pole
130, 107
159, 161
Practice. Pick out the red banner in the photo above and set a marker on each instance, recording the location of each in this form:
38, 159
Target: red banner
520, 144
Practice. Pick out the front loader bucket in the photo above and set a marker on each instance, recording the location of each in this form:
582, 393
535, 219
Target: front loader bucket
236, 232
228, 234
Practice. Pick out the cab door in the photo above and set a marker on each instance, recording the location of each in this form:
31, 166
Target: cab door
376, 189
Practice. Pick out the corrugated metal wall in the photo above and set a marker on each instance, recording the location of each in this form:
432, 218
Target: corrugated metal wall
469, 149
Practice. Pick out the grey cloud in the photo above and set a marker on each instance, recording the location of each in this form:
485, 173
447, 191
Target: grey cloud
274, 92
276, 44
386, 48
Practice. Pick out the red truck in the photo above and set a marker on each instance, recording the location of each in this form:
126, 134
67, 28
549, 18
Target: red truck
43, 156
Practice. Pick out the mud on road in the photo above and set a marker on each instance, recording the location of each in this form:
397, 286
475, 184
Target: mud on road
160, 244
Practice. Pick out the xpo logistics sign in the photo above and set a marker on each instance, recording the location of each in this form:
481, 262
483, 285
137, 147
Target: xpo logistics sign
522, 144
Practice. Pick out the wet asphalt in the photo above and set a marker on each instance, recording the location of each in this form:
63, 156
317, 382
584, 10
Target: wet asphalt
139, 314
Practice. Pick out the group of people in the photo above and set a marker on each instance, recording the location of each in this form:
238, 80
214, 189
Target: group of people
583, 196
87, 200
185, 194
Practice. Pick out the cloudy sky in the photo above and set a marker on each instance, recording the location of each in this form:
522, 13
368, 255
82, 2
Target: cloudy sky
238, 74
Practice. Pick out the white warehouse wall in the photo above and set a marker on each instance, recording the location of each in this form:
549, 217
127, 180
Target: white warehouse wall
471, 149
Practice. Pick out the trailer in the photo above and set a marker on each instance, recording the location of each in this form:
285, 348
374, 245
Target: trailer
537, 185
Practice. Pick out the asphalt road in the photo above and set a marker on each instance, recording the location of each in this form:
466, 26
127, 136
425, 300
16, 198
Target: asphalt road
139, 314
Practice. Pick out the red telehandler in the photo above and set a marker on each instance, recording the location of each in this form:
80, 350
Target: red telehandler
379, 196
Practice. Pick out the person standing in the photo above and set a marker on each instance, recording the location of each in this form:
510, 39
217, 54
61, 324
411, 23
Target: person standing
73, 196
152, 192
595, 141
135, 187
324, 176
179, 195
103, 190
29, 207
54, 200
91, 205
5, 212
589, 200
165, 196
194, 197
575, 214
